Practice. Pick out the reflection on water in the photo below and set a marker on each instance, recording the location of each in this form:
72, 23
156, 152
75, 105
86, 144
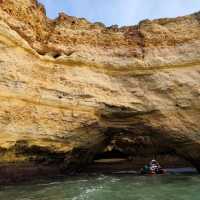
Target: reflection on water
116, 187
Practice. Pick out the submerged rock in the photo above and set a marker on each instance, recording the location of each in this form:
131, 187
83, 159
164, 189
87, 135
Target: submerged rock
70, 88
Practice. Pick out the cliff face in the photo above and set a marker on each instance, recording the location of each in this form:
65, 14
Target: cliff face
70, 88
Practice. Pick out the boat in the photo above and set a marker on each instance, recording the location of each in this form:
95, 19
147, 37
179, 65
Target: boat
152, 168
152, 172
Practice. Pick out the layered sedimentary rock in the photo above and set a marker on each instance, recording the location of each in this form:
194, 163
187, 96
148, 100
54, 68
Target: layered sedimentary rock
70, 88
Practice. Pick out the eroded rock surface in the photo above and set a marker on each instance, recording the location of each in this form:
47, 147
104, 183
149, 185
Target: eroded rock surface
69, 88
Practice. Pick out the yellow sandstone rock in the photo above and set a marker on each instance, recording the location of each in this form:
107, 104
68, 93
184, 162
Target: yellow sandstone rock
69, 88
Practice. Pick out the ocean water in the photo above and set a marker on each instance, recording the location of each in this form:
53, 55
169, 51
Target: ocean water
112, 187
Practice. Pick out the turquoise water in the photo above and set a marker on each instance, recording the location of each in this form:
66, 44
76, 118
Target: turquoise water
123, 187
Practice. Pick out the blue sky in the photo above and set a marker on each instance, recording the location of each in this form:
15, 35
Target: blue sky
122, 12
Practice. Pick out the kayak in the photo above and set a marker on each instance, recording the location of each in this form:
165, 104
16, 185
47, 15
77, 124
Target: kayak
156, 172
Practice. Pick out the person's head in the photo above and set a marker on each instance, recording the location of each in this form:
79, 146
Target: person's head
153, 162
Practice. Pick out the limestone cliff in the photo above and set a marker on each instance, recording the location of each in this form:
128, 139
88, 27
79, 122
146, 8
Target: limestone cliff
69, 88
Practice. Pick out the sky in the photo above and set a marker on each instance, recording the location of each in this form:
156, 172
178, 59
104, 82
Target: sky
121, 12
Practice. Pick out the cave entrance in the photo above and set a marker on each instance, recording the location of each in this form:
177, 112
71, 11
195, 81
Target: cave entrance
115, 158
131, 149
109, 161
116, 161
111, 156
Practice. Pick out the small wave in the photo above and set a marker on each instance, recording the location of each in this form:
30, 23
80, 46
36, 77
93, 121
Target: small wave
102, 177
24, 199
114, 180
85, 194
46, 184
83, 180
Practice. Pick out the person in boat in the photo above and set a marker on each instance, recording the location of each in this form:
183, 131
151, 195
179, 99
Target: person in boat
152, 168
155, 167
145, 169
